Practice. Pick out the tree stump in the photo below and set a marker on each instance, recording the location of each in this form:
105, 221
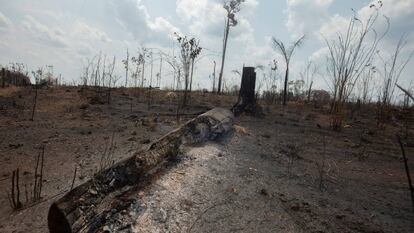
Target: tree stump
247, 95
79, 209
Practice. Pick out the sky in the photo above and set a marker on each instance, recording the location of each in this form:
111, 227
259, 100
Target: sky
65, 34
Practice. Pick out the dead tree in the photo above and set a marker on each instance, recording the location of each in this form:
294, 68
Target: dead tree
287, 55
126, 66
190, 49
3, 77
350, 53
405, 91
247, 98
77, 210
14, 196
38, 75
38, 178
407, 170
232, 7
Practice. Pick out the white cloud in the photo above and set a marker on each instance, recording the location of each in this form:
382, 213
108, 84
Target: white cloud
162, 25
133, 16
5, 22
82, 30
43, 33
331, 27
306, 16
211, 22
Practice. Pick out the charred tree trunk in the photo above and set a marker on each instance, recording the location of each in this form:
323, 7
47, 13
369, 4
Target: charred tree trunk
3, 78
285, 89
77, 210
407, 170
247, 98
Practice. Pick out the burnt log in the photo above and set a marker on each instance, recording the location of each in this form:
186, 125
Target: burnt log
75, 212
247, 95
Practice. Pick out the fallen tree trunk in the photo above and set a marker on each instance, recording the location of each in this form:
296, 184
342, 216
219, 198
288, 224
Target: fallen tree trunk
75, 211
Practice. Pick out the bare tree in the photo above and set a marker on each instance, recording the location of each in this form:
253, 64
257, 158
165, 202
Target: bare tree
350, 53
126, 65
232, 7
287, 55
193, 55
307, 76
189, 51
138, 62
365, 85
111, 78
141, 57
392, 70
172, 61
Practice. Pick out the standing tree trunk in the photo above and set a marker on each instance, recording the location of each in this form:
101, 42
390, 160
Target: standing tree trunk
214, 77
126, 69
285, 89
143, 75
247, 98
186, 83
407, 170
34, 104
160, 77
191, 77
223, 56
309, 91
3, 77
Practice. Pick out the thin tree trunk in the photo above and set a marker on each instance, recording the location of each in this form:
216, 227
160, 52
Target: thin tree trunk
214, 77
152, 69
126, 69
309, 91
178, 78
34, 104
3, 77
286, 84
410, 184
223, 56
185, 89
191, 77
143, 74
159, 79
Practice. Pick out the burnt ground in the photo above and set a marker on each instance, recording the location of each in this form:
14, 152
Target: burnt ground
263, 178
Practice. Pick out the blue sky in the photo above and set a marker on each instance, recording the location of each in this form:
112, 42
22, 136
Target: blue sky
66, 33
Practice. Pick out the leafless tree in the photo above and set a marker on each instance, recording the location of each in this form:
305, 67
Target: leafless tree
190, 49
349, 55
175, 65
365, 85
287, 55
392, 70
126, 65
138, 62
232, 7
307, 75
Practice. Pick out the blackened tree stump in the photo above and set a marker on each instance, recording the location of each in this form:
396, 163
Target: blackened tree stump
247, 95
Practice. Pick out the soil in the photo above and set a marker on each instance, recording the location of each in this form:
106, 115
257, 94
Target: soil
264, 177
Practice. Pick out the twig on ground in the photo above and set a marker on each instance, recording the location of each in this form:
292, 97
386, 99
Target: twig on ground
73, 180
410, 184
204, 212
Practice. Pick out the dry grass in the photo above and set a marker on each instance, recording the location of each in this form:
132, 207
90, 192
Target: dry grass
240, 130
9, 91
